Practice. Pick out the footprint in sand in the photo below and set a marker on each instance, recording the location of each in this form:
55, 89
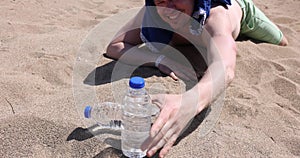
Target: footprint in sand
277, 66
293, 76
288, 90
293, 64
32, 131
289, 69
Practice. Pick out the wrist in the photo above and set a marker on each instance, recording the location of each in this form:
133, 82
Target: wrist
197, 98
158, 60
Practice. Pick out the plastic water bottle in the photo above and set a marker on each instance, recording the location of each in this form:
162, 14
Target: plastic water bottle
136, 118
107, 115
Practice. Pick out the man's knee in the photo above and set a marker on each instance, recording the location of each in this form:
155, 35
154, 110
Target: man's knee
283, 42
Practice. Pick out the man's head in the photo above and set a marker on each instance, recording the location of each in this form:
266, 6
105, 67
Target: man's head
175, 12
164, 17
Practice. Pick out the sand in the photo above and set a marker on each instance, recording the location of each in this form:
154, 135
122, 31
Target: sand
41, 114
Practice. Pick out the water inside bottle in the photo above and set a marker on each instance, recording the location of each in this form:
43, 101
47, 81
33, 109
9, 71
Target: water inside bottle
135, 132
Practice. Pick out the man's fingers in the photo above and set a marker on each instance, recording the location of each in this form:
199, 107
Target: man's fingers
161, 139
169, 72
172, 74
159, 123
168, 146
185, 74
146, 143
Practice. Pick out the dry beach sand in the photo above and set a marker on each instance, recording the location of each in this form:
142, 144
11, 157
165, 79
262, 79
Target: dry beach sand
41, 116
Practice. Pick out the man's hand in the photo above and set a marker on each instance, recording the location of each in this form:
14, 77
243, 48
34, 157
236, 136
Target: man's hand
176, 70
176, 112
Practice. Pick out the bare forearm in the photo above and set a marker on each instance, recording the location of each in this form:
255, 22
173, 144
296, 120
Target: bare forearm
130, 54
220, 72
212, 84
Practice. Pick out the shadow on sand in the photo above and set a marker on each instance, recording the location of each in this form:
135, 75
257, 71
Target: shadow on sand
81, 134
103, 75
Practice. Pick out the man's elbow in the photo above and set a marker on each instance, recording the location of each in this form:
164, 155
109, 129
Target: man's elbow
113, 50
230, 64
230, 74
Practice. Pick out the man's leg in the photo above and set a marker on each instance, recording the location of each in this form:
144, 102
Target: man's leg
256, 25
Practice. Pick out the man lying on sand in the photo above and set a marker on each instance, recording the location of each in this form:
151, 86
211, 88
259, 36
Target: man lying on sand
213, 25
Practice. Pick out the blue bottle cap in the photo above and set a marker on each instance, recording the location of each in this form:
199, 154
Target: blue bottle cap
137, 82
87, 112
